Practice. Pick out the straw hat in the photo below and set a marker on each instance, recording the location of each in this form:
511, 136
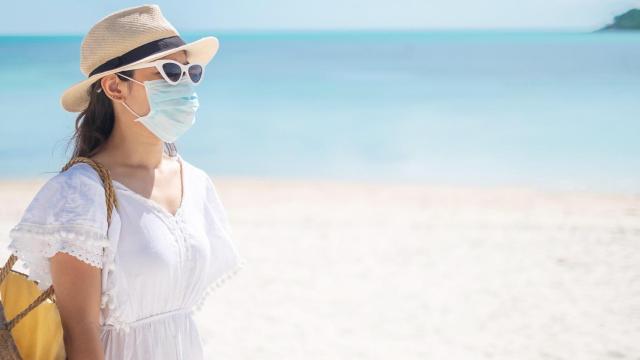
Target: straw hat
127, 37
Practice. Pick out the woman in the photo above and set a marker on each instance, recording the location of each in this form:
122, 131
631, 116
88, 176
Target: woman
130, 290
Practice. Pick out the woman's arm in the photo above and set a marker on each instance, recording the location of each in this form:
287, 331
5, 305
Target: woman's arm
78, 288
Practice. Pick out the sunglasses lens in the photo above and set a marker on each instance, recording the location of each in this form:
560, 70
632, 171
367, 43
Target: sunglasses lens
173, 71
195, 73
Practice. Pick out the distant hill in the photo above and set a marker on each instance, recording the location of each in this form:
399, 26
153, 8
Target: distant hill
627, 21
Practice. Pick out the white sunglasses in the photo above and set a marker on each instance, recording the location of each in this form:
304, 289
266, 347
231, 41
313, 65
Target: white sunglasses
172, 71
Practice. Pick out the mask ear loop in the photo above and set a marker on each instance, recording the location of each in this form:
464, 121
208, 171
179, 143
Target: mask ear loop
133, 112
125, 104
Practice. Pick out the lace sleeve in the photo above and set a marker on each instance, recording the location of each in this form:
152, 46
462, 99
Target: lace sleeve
68, 214
224, 259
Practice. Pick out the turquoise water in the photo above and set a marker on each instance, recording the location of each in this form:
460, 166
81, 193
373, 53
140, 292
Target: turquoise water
549, 110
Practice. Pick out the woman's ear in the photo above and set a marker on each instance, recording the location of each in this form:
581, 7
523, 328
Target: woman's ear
111, 87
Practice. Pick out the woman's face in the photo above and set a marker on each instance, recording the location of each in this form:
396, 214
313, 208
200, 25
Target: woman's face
132, 93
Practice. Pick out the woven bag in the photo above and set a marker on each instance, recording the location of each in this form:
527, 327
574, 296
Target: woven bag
34, 331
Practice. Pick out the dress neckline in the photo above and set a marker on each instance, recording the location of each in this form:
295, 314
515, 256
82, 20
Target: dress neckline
155, 204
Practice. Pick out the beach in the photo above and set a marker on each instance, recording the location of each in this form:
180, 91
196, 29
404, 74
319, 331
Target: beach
375, 270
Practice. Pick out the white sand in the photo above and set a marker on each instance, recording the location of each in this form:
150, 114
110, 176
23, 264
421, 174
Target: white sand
366, 271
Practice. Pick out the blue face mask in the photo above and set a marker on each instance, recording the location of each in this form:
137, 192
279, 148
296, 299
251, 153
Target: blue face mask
172, 107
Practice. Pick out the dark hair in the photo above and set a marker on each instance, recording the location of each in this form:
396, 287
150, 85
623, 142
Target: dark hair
95, 123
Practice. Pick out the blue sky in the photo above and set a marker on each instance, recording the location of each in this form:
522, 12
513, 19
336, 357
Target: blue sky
76, 17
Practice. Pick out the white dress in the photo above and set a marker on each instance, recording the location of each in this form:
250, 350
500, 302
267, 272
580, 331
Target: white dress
157, 268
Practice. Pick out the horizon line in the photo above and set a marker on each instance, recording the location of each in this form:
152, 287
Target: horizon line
248, 31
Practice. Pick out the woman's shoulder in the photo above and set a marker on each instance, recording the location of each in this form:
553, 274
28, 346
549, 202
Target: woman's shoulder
71, 196
78, 177
207, 192
201, 179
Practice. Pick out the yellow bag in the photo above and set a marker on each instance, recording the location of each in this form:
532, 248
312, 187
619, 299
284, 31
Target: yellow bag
30, 324
39, 335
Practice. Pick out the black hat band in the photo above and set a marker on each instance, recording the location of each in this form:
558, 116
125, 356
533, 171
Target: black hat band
140, 52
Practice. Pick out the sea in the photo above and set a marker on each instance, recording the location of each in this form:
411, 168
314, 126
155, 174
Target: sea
548, 110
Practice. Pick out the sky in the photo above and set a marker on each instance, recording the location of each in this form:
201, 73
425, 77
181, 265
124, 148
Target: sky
77, 17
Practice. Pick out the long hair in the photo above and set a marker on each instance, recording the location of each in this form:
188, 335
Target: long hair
94, 124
